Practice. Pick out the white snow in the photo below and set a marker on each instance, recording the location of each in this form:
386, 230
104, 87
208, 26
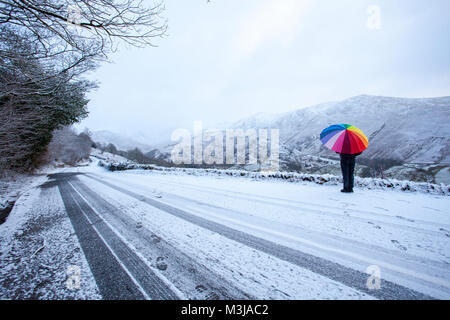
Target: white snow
12, 185
396, 127
406, 234
259, 274
37, 246
322, 179
97, 155
443, 176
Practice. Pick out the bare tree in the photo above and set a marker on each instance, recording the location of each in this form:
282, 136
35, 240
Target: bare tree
30, 113
68, 147
111, 149
76, 31
44, 51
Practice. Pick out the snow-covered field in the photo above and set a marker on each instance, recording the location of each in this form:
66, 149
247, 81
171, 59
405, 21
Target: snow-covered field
322, 179
209, 223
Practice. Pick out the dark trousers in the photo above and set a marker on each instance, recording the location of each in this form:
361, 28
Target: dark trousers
348, 169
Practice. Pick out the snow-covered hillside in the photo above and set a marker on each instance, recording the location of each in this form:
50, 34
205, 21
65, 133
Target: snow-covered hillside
411, 130
414, 131
121, 142
196, 234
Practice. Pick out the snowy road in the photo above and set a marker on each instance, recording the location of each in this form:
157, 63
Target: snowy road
168, 236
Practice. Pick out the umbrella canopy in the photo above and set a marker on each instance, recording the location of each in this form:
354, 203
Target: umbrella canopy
344, 138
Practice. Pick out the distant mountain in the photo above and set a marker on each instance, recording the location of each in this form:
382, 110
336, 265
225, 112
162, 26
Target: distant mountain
410, 130
406, 129
259, 120
121, 142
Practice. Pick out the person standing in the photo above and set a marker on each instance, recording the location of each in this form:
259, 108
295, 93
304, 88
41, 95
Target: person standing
349, 142
348, 170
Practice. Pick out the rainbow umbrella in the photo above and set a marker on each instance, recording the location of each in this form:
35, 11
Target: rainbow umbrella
344, 138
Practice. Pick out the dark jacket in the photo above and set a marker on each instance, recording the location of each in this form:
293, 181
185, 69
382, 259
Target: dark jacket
348, 169
347, 157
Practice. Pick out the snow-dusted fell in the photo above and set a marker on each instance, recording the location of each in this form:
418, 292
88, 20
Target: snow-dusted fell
411, 130
122, 142
415, 131
259, 120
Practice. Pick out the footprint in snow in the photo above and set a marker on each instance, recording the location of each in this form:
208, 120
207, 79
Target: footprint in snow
207, 295
403, 218
155, 238
437, 210
374, 225
200, 288
398, 245
160, 264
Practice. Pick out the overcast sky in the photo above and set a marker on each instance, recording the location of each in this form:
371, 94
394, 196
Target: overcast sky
228, 59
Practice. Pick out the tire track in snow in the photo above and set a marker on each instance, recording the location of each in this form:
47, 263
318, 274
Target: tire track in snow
285, 203
350, 277
183, 265
423, 265
120, 274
